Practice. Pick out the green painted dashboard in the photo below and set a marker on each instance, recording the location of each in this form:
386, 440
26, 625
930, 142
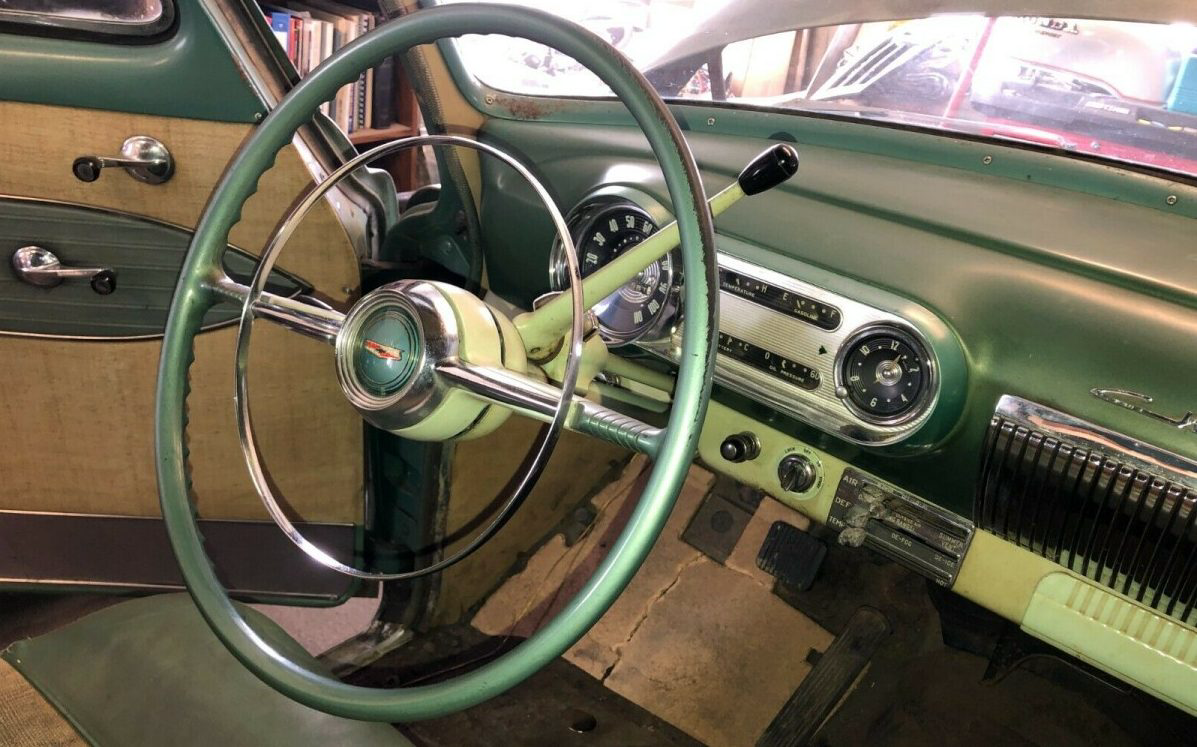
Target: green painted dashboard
1056, 275
1050, 276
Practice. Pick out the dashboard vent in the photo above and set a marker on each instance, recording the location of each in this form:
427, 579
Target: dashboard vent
1096, 502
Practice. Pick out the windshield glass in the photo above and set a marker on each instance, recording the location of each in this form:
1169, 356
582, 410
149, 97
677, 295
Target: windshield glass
1115, 89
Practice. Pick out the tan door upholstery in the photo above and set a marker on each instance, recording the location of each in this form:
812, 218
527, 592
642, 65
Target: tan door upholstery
76, 417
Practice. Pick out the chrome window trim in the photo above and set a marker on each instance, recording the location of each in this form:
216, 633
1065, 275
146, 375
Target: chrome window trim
107, 30
362, 213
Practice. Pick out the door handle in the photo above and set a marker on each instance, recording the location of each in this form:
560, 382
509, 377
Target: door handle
146, 159
40, 267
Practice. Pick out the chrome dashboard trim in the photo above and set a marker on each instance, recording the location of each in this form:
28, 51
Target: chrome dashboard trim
1185, 422
1138, 454
802, 341
922, 407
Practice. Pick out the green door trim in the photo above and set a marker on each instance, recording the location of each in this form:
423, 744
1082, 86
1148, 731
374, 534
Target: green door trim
191, 74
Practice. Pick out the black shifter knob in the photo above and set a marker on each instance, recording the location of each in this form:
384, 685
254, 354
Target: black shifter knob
739, 447
770, 168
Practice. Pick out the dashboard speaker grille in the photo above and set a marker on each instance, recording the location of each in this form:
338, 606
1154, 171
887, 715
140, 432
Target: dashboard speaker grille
1093, 501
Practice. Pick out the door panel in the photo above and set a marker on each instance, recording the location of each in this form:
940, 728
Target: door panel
149, 253
77, 415
39, 144
189, 72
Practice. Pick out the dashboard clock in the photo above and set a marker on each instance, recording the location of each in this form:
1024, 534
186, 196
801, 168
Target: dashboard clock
603, 230
885, 375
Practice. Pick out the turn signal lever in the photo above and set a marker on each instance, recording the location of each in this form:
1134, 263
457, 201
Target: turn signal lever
544, 326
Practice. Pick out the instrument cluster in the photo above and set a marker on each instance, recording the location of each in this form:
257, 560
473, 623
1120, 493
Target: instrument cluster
846, 367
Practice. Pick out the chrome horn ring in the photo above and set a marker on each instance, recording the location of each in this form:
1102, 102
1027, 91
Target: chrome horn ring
545, 443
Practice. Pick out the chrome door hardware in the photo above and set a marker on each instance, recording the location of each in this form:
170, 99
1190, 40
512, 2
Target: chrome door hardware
145, 158
40, 267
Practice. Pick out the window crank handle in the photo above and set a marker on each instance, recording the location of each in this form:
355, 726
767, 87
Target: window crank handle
144, 158
38, 266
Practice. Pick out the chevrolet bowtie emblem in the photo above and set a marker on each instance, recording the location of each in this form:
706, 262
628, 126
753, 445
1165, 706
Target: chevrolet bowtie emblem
386, 352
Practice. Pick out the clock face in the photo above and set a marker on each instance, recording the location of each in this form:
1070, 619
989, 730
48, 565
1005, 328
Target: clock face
885, 375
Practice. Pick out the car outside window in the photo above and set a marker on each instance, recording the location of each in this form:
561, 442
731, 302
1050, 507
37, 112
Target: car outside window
123, 17
1120, 90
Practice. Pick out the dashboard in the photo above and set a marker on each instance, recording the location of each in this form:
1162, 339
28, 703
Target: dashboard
976, 363
846, 366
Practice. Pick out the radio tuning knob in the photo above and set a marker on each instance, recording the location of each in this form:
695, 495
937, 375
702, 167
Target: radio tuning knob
740, 447
796, 473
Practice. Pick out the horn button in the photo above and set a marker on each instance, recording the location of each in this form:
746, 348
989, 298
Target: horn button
390, 345
386, 348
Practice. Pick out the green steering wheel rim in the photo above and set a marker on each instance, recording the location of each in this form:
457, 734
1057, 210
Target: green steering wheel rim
193, 297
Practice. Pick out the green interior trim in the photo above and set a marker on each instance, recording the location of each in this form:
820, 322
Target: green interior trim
761, 471
1144, 648
1024, 275
192, 301
192, 73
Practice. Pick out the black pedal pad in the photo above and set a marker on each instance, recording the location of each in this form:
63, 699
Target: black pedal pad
719, 522
791, 556
828, 682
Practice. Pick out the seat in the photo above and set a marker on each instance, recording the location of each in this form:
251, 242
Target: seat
150, 671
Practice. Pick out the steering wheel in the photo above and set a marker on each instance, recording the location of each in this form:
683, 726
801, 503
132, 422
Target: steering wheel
418, 379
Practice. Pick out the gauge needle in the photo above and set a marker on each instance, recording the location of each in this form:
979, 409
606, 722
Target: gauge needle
386, 352
894, 363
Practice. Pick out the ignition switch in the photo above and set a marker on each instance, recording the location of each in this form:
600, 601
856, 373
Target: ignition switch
796, 473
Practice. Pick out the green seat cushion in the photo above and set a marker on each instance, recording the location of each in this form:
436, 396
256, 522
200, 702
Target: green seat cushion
150, 672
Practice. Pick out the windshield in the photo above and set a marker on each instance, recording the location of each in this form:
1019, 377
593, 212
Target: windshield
1116, 89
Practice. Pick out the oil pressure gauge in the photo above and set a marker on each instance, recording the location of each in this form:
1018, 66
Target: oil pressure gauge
885, 375
603, 230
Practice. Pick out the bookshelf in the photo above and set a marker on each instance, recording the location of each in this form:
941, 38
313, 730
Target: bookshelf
380, 105
371, 136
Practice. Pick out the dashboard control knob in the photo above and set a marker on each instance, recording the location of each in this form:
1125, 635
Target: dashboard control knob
740, 447
796, 473
852, 537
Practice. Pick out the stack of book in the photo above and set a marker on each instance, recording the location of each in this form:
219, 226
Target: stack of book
312, 31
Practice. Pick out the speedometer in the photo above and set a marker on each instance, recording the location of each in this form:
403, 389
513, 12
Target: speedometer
603, 231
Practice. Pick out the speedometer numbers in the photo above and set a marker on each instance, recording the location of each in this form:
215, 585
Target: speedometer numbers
604, 231
885, 375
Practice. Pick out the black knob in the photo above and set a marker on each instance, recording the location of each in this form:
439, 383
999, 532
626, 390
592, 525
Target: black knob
739, 447
796, 473
87, 168
104, 282
769, 169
